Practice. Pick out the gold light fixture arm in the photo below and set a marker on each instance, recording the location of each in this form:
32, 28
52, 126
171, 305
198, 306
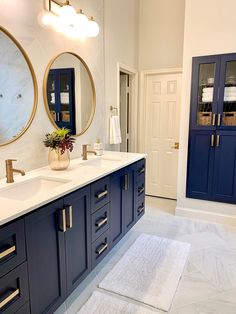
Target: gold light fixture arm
59, 3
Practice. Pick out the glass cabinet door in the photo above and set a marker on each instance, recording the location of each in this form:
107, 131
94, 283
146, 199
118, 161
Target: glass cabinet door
51, 96
229, 97
65, 97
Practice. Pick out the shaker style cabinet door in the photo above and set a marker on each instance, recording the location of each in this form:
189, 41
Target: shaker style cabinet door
224, 187
129, 180
46, 258
205, 92
77, 237
200, 164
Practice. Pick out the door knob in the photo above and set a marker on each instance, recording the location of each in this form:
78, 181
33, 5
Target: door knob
176, 145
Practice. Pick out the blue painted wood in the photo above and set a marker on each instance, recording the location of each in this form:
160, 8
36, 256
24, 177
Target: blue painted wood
12, 234
16, 279
46, 258
200, 165
100, 221
224, 187
100, 248
78, 238
25, 309
98, 187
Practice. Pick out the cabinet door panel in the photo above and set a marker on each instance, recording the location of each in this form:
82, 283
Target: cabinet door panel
46, 258
200, 164
224, 188
78, 237
129, 184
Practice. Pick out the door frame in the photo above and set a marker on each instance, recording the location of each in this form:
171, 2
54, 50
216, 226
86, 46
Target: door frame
142, 104
134, 101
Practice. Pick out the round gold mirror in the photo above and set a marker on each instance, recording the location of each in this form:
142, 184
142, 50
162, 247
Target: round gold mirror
69, 93
18, 89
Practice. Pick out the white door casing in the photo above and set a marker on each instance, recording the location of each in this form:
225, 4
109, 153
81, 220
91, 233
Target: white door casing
162, 97
124, 112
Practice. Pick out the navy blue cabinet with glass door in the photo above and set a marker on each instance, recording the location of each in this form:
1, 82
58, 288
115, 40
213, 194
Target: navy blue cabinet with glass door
61, 97
212, 151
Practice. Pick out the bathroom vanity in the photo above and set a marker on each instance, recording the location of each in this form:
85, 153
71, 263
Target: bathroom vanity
57, 226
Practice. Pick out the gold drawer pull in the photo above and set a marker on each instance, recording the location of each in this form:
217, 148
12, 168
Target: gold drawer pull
69, 225
214, 119
9, 298
63, 220
101, 222
140, 209
217, 140
102, 194
212, 140
8, 251
142, 170
218, 119
102, 249
141, 190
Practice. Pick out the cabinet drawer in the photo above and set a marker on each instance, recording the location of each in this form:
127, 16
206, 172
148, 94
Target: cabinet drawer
100, 221
25, 309
141, 168
14, 290
100, 193
12, 246
140, 189
140, 207
100, 248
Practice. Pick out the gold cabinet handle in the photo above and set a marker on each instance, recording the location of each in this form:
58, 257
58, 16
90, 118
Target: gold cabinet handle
140, 209
101, 222
102, 194
9, 298
218, 119
214, 119
176, 145
126, 182
212, 140
8, 251
69, 225
217, 140
63, 220
103, 247
142, 170
141, 189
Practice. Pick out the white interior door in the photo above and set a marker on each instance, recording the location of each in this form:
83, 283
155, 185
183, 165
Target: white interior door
162, 107
124, 112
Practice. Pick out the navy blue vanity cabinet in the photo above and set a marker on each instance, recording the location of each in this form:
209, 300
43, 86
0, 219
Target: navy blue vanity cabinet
77, 237
140, 189
45, 240
224, 187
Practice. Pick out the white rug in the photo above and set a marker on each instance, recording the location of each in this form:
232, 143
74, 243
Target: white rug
100, 303
149, 272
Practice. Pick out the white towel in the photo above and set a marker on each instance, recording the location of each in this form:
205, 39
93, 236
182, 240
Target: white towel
115, 134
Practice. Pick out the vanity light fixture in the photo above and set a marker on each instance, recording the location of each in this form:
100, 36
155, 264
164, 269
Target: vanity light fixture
63, 17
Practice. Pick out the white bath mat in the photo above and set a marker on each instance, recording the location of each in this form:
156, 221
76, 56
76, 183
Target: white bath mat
149, 272
100, 303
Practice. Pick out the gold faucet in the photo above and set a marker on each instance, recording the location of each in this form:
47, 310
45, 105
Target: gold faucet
85, 152
10, 170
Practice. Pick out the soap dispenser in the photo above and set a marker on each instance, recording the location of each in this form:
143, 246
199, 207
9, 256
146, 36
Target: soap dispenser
98, 148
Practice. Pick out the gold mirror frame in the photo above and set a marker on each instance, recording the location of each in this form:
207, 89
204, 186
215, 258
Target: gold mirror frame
45, 91
35, 85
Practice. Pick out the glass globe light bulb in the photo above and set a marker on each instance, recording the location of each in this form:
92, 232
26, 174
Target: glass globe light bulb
67, 14
93, 28
81, 20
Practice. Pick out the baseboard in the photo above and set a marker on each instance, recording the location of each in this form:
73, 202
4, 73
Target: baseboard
213, 217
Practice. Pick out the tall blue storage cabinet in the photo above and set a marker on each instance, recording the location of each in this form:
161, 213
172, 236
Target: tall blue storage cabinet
212, 133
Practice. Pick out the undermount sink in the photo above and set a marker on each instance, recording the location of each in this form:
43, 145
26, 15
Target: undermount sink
30, 188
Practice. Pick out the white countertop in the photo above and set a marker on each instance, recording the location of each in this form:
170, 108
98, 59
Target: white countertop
79, 174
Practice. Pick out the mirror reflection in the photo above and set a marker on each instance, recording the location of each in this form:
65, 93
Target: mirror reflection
70, 94
17, 90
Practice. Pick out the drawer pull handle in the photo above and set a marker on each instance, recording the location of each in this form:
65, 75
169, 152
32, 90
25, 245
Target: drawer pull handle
141, 190
9, 298
102, 222
63, 220
103, 248
126, 182
217, 140
8, 251
142, 170
218, 119
102, 194
141, 209
69, 225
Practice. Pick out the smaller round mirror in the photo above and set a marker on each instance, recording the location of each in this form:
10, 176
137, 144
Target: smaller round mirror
69, 93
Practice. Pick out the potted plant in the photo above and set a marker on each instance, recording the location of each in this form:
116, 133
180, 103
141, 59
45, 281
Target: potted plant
60, 145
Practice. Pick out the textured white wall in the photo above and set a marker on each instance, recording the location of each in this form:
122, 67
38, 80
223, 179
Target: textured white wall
19, 17
161, 32
209, 29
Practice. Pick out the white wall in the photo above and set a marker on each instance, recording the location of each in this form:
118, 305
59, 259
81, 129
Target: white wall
121, 45
209, 29
161, 34
19, 17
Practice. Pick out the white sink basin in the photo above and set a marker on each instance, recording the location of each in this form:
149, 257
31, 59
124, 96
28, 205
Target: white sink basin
31, 188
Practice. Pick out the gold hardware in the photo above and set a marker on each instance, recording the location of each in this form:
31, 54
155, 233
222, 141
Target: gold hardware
140, 209
214, 119
212, 140
85, 152
176, 145
10, 170
142, 170
126, 182
69, 225
63, 220
101, 223
9, 298
217, 140
141, 189
218, 119
103, 248
102, 194
8, 252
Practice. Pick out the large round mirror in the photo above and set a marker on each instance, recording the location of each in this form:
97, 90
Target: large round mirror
69, 93
18, 89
